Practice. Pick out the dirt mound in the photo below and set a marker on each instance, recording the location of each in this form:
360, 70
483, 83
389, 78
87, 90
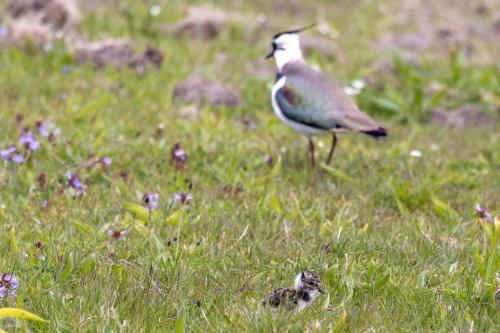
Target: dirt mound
57, 14
119, 54
260, 69
462, 117
200, 90
201, 21
323, 45
39, 21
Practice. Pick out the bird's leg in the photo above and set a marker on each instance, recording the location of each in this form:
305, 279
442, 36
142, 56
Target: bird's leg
311, 150
334, 143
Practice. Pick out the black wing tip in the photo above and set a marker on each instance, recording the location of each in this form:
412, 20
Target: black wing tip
379, 133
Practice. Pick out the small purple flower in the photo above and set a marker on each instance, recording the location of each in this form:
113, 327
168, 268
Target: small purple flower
42, 179
269, 160
28, 141
11, 154
184, 198
116, 234
18, 158
178, 156
47, 129
106, 161
3, 31
248, 124
43, 128
8, 152
124, 174
151, 200
483, 213
234, 189
73, 181
66, 69
8, 285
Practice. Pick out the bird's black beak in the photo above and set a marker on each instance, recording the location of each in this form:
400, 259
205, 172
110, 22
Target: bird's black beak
321, 290
270, 55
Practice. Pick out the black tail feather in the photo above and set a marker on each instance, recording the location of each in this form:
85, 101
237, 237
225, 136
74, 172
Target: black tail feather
379, 133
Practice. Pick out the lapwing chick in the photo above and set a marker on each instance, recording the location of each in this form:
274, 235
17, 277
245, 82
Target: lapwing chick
311, 103
308, 287
282, 297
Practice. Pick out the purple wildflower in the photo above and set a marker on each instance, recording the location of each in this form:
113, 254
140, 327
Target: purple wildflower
8, 152
8, 285
73, 181
124, 174
228, 189
19, 118
28, 141
42, 180
106, 161
3, 31
178, 156
18, 158
47, 129
12, 154
269, 160
39, 245
151, 200
247, 124
184, 198
66, 69
483, 213
117, 235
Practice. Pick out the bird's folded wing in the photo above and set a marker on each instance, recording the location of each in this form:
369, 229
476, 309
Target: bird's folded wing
309, 98
303, 104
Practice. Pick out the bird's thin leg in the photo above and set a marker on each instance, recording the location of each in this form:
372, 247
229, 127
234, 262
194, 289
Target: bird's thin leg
334, 143
311, 150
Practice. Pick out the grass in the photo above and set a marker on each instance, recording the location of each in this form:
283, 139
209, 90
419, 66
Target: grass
395, 239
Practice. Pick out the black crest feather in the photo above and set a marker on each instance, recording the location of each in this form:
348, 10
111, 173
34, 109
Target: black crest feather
295, 31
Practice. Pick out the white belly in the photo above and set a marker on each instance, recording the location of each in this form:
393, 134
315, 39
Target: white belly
301, 128
301, 304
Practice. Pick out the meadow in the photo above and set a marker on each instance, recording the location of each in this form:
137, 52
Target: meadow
391, 228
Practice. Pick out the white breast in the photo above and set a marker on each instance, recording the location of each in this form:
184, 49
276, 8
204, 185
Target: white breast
301, 304
301, 128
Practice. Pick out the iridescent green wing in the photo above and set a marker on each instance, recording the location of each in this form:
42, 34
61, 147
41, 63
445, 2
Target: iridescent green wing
301, 102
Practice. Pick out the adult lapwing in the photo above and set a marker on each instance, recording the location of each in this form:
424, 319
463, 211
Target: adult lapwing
311, 103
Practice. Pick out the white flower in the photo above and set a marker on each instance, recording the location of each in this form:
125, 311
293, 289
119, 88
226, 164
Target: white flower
324, 29
155, 10
351, 91
416, 153
358, 84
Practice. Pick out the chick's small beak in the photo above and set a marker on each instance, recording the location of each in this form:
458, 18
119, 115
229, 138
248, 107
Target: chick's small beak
321, 290
270, 55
